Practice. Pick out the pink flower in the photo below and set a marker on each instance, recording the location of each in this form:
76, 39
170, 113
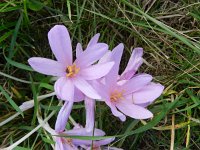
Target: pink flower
72, 75
130, 94
64, 143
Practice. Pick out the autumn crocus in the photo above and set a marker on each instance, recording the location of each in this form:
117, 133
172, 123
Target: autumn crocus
72, 75
125, 97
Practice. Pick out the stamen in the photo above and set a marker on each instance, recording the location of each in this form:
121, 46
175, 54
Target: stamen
72, 71
116, 95
67, 141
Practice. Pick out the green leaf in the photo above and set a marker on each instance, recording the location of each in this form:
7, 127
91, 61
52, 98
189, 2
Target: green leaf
34, 5
14, 36
21, 148
35, 101
12, 103
6, 35
18, 65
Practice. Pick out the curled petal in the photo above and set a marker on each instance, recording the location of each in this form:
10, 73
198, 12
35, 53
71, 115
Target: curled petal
97, 71
134, 63
63, 116
134, 111
60, 43
64, 88
47, 66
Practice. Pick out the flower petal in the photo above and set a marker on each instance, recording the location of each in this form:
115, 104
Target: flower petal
86, 88
91, 55
90, 114
112, 76
93, 40
134, 111
64, 88
59, 144
134, 63
115, 112
136, 83
106, 58
147, 94
79, 50
78, 95
63, 116
60, 43
47, 66
96, 71
104, 142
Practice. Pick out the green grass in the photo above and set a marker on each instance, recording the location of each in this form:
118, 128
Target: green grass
169, 32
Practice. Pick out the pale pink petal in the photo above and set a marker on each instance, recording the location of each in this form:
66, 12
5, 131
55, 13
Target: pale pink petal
91, 55
78, 95
136, 83
117, 53
147, 94
106, 58
63, 116
90, 114
60, 43
79, 50
59, 144
86, 88
134, 63
96, 71
134, 111
47, 66
115, 112
64, 88
112, 76
94, 40
101, 88
104, 142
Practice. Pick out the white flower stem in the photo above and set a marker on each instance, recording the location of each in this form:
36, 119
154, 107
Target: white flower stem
31, 104
30, 133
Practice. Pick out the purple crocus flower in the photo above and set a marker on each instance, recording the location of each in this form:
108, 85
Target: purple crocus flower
72, 76
128, 95
63, 143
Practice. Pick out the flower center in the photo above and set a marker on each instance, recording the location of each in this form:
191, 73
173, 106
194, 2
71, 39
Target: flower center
96, 147
67, 141
72, 71
116, 95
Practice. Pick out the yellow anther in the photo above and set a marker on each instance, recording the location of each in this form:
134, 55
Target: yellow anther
67, 141
116, 95
72, 70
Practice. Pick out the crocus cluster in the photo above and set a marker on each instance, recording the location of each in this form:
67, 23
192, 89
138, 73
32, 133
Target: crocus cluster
94, 76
